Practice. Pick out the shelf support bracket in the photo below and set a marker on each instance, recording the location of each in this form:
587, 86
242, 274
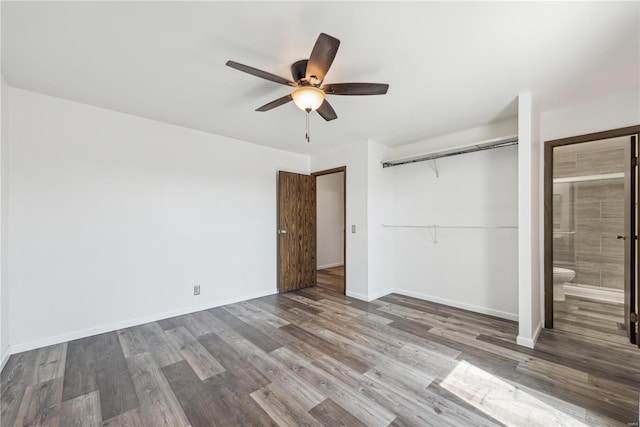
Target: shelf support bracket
434, 234
435, 168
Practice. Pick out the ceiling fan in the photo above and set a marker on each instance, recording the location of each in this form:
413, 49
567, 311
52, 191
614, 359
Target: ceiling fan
308, 75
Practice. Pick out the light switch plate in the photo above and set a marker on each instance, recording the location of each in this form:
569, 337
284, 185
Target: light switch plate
353, 229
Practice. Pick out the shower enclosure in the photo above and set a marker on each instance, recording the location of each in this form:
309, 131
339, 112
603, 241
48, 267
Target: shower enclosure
588, 217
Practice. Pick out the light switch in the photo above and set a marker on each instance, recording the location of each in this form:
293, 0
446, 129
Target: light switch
353, 229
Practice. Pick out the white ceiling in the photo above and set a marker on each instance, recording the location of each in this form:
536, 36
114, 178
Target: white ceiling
450, 65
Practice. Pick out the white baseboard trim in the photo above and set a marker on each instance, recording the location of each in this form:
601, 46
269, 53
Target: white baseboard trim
357, 295
593, 292
525, 342
5, 358
457, 304
530, 342
369, 298
44, 342
380, 294
335, 264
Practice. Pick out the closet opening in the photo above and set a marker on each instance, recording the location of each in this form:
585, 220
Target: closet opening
590, 235
331, 191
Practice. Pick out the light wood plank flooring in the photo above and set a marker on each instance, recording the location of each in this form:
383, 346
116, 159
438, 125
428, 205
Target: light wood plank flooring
316, 357
332, 278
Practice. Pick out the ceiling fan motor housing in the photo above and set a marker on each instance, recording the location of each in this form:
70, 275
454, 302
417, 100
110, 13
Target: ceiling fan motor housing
299, 70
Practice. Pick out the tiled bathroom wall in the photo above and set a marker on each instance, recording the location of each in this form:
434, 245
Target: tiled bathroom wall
589, 215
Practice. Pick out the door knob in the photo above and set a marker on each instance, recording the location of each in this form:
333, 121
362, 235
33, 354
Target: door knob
622, 237
282, 231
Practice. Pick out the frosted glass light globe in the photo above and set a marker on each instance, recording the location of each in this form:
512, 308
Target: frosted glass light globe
308, 98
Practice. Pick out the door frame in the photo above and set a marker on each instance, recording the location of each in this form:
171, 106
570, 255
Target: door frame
315, 175
548, 206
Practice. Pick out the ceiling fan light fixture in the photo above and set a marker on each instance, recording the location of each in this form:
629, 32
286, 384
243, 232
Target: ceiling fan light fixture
308, 98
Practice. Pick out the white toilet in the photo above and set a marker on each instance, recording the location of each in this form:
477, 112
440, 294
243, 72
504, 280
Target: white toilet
560, 277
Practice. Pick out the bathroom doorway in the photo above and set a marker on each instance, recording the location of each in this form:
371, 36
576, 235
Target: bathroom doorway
591, 228
331, 230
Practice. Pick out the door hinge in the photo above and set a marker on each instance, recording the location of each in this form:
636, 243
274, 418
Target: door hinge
634, 161
633, 317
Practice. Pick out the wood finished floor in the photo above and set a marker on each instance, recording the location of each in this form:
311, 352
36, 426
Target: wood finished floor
315, 357
331, 278
590, 318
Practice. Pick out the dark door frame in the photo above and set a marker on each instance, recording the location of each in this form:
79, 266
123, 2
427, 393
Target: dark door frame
548, 205
344, 213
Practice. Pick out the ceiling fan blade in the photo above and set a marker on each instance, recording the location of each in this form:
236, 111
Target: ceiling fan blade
259, 73
326, 111
356, 88
322, 55
273, 104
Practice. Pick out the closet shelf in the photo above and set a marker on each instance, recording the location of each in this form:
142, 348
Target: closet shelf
455, 151
433, 229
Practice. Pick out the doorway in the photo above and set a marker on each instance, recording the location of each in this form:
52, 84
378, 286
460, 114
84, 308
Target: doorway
330, 225
298, 265
591, 228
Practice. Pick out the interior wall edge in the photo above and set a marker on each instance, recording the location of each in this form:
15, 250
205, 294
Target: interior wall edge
4, 209
70, 336
529, 262
5, 357
530, 342
366, 297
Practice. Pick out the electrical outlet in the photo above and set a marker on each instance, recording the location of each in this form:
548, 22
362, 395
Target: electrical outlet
353, 229
196, 290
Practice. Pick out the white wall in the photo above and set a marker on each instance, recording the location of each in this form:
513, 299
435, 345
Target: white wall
115, 218
529, 211
475, 269
4, 183
354, 157
380, 211
330, 219
616, 110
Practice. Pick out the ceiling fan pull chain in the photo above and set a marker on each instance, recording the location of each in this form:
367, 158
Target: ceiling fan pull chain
307, 135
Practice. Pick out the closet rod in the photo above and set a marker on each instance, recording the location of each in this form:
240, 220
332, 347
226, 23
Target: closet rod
464, 149
450, 226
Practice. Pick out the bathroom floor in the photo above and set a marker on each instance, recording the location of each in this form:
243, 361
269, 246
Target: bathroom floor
596, 319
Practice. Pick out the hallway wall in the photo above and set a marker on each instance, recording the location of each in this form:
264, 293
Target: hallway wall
330, 220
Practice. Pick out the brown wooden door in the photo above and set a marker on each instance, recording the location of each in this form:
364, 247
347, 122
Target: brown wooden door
296, 231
